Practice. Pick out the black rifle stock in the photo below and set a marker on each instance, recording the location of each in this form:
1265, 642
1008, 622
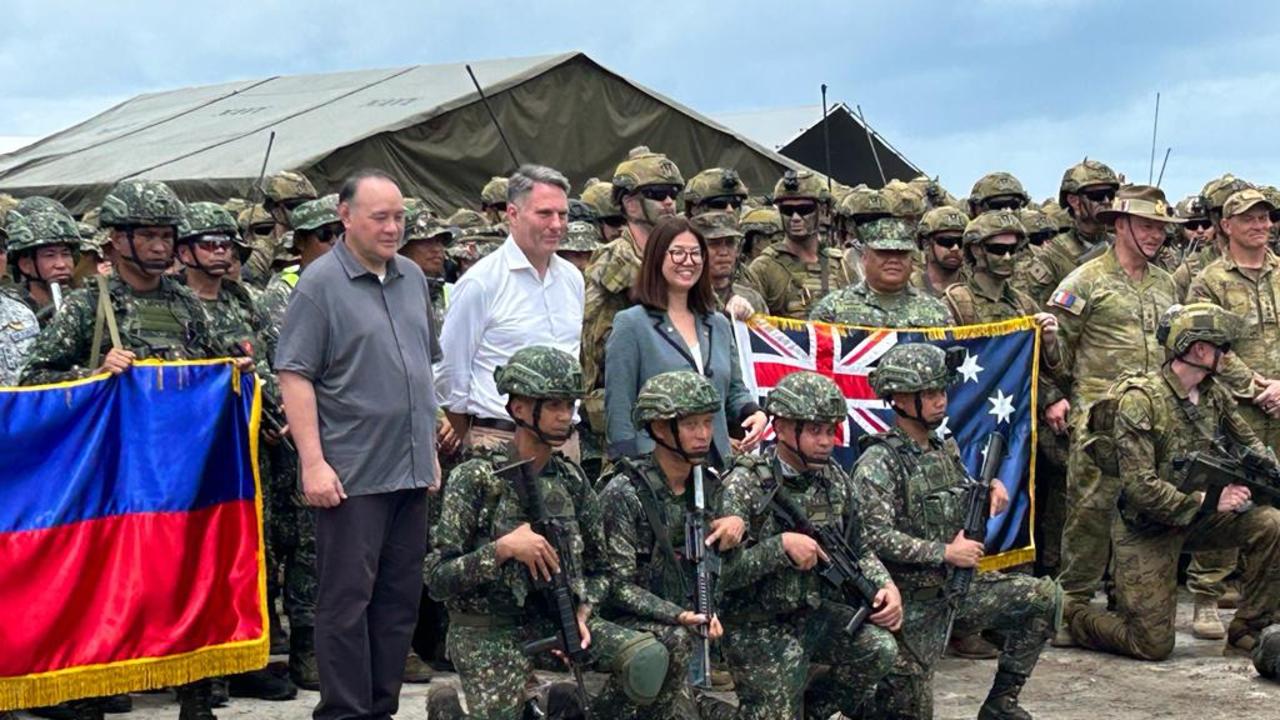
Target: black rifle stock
706, 572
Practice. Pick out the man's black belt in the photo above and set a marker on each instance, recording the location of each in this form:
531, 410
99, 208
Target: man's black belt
492, 424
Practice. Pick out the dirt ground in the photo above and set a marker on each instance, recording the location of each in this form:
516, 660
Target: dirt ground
1197, 683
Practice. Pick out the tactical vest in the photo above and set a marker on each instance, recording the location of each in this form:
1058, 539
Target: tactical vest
659, 567
161, 327
805, 287
291, 274
934, 487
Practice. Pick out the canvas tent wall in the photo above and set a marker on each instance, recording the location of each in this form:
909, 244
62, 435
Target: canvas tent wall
796, 133
423, 124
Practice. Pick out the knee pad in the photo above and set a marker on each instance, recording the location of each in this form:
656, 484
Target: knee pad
1266, 654
641, 668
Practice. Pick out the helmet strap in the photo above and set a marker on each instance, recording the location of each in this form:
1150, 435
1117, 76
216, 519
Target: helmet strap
544, 437
918, 417
673, 425
1134, 239
809, 462
1209, 370
145, 267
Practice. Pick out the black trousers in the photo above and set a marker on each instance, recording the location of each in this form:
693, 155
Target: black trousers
369, 553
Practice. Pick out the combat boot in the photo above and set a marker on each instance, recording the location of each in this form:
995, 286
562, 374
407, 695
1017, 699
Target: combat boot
195, 701
416, 670
262, 685
1002, 701
1206, 624
275, 630
117, 704
442, 704
303, 669
563, 702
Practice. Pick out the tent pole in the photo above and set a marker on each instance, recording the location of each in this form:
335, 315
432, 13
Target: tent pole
493, 117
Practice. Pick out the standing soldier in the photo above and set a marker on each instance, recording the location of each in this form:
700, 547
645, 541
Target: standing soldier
18, 326
761, 228
1087, 189
1107, 311
793, 275
493, 201
1157, 421
724, 248
714, 189
997, 191
598, 195
941, 235
44, 256
154, 315
425, 243
581, 241
646, 186
915, 485
486, 552
884, 298
282, 193
1209, 207
860, 206
782, 616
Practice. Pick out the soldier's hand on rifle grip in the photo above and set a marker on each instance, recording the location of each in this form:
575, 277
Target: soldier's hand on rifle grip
1233, 498
888, 608
728, 531
963, 552
530, 549
999, 498
803, 550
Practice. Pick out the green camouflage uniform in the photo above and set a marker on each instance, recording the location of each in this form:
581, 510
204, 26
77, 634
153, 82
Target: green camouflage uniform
915, 505
860, 305
282, 187
608, 282
1155, 425
18, 330
39, 222
1107, 325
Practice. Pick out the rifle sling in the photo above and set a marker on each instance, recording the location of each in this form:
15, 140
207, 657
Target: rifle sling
649, 502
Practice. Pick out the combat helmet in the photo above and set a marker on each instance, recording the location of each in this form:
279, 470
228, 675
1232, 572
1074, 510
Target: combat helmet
995, 185
1084, 174
40, 203
904, 201
1215, 192
807, 397
671, 396
915, 367
1039, 226
943, 218
207, 218
541, 372
992, 223
864, 204
288, 188
140, 203
494, 192
800, 185
599, 196
644, 167
1191, 207
1182, 325
715, 183
42, 228
764, 220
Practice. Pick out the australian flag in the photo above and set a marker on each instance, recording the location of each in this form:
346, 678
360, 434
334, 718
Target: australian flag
995, 391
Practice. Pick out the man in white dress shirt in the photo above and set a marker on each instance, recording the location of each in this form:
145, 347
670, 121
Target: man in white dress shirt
521, 294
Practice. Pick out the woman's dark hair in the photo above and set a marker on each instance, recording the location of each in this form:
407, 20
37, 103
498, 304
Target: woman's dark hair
650, 287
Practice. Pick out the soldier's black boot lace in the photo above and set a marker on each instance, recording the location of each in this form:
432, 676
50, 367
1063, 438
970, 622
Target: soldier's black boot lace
1002, 701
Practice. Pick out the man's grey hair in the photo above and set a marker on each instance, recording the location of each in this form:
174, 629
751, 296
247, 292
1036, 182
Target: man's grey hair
522, 181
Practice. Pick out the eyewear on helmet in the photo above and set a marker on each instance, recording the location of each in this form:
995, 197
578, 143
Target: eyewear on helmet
212, 243
614, 221
723, 202
293, 203
950, 242
792, 209
685, 256
1041, 237
1100, 195
658, 193
262, 229
328, 233
1198, 225
1000, 248
1004, 202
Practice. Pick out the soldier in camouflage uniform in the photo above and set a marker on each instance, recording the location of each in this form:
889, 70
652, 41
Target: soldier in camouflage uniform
18, 325
45, 254
155, 316
761, 228
795, 274
1146, 427
940, 235
485, 552
905, 202
997, 191
885, 297
581, 240
1107, 311
493, 201
724, 247
1209, 205
860, 206
426, 242
645, 501
598, 195
714, 189
915, 487
646, 186
1041, 228
282, 193
1087, 189
780, 614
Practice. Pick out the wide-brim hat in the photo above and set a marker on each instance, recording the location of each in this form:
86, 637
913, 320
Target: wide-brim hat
1144, 201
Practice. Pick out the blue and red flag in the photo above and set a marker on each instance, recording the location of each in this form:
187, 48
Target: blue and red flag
996, 391
131, 552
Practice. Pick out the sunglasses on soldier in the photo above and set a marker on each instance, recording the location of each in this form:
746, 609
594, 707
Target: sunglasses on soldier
329, 233
293, 203
212, 243
658, 193
1041, 237
1198, 225
1101, 195
723, 202
1004, 202
262, 229
1000, 248
947, 241
615, 221
790, 209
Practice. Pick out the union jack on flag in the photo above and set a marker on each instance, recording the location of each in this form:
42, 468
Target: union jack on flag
995, 392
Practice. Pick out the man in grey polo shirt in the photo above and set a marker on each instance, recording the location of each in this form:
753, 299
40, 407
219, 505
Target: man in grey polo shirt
354, 360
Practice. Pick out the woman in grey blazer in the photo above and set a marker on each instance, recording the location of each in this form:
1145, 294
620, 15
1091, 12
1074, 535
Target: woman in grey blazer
675, 326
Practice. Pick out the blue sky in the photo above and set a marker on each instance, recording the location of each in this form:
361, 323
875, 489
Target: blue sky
961, 88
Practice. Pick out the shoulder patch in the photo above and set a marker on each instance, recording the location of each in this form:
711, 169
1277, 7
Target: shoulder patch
1134, 408
1067, 300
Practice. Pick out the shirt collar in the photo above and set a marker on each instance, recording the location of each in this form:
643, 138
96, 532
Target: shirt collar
515, 257
352, 266
1268, 261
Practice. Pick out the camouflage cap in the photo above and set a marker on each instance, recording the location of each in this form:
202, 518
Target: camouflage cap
717, 224
140, 203
801, 185
913, 367
863, 202
674, 395
1144, 201
904, 201
644, 167
942, 219
413, 209
315, 214
1216, 191
887, 234
1085, 174
427, 226
471, 248
581, 236
807, 396
1182, 325
541, 372
992, 223
200, 218
997, 184
714, 182
1266, 653
43, 228
599, 196
253, 215
761, 220
1035, 220
494, 191
288, 185
1240, 202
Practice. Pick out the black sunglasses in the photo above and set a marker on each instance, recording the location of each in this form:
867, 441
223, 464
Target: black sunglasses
1275, 215
614, 222
499, 206
328, 233
797, 209
658, 193
1000, 249
263, 229
292, 204
1008, 202
1105, 195
212, 243
1198, 225
724, 202
948, 241
1041, 237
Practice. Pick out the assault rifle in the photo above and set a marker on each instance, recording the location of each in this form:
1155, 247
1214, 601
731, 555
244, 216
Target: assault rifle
706, 572
975, 524
1216, 470
554, 597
